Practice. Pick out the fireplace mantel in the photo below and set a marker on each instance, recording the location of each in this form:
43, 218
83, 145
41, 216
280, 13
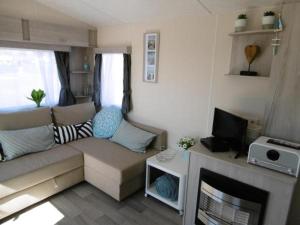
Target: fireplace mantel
280, 186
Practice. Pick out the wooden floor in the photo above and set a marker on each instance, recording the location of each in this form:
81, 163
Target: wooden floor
85, 204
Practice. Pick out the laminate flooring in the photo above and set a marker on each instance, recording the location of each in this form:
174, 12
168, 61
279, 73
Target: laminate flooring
84, 204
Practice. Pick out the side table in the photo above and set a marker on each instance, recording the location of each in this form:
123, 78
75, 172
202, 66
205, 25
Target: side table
178, 167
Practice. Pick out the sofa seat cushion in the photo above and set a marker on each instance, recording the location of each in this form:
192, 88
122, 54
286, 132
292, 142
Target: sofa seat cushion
32, 169
112, 160
73, 114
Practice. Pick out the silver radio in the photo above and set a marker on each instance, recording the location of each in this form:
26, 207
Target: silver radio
275, 154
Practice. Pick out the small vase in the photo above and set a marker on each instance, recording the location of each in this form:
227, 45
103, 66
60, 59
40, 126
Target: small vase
185, 154
240, 25
86, 67
268, 22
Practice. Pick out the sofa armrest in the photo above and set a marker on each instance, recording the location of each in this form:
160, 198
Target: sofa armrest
160, 142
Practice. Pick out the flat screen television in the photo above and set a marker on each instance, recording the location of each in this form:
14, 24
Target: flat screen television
230, 128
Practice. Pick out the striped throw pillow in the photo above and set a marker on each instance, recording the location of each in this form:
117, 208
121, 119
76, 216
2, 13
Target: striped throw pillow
84, 130
65, 134
1, 153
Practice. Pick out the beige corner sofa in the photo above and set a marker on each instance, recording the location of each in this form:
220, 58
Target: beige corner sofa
110, 167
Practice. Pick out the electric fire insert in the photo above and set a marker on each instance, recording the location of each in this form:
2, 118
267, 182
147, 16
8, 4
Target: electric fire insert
224, 201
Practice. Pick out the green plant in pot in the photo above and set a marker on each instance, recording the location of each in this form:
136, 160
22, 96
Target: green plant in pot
268, 20
37, 96
241, 23
185, 143
242, 17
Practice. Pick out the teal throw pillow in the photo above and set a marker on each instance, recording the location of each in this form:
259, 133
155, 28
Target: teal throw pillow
132, 137
107, 121
16, 143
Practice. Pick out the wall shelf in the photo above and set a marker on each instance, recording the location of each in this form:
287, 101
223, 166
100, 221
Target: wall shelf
255, 32
81, 80
254, 77
262, 64
80, 72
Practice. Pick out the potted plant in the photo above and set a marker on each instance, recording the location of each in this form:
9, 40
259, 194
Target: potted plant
37, 96
241, 23
268, 20
185, 143
86, 65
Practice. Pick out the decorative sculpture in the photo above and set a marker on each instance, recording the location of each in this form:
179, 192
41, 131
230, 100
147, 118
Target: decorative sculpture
251, 52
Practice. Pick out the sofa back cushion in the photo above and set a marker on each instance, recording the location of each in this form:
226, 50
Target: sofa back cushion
74, 114
25, 119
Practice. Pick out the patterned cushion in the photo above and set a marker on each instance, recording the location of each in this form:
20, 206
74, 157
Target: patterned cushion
65, 134
84, 130
107, 121
16, 143
1, 153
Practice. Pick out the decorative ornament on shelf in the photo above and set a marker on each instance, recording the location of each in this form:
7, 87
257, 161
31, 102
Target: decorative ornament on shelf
279, 23
241, 23
251, 52
86, 65
37, 96
276, 40
275, 44
268, 20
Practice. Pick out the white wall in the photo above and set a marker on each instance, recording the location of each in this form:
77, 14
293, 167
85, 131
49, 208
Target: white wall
194, 56
246, 96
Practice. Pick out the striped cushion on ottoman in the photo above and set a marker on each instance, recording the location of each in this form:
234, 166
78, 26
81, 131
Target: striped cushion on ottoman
65, 134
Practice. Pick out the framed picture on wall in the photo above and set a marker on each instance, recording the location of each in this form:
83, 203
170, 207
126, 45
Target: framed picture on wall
151, 49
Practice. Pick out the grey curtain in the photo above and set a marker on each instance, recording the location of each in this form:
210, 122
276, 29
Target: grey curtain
282, 116
97, 82
126, 102
66, 96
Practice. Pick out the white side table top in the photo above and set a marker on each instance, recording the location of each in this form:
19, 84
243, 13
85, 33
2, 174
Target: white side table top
177, 166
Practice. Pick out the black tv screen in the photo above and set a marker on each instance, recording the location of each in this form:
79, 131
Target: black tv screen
229, 127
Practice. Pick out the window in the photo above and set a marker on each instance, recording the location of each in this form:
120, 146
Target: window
112, 79
22, 70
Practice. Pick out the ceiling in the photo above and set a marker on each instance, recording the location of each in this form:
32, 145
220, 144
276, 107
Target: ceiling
32, 10
232, 5
112, 12
95, 13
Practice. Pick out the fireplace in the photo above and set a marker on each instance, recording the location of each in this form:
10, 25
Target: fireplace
224, 201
